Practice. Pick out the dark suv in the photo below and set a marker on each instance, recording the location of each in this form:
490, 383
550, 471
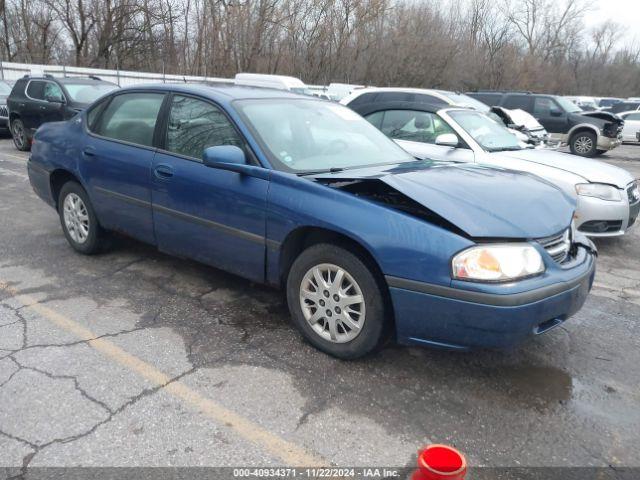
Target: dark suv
37, 100
587, 133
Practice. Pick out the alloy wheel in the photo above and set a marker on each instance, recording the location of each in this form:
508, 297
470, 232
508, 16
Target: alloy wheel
76, 218
18, 134
583, 144
332, 303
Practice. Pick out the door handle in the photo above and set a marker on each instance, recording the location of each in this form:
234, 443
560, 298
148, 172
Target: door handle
89, 152
163, 172
42, 107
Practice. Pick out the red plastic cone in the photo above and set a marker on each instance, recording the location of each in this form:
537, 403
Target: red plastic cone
440, 462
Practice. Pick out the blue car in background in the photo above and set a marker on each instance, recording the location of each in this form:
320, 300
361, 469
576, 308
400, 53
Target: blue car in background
306, 195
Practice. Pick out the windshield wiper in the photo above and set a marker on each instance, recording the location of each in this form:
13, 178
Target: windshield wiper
318, 172
506, 149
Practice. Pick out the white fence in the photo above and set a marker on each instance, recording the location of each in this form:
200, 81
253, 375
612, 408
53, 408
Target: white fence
13, 71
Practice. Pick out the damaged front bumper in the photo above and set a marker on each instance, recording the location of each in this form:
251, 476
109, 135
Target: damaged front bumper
492, 316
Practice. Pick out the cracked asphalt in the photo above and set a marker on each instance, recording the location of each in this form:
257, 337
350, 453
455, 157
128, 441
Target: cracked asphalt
135, 358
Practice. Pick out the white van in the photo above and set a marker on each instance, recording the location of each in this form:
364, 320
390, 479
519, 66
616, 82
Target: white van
279, 82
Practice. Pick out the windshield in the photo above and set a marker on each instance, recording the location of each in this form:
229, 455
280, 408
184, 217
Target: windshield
489, 134
5, 89
462, 100
568, 105
88, 92
313, 135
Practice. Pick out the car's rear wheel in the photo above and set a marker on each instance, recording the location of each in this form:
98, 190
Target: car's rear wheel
584, 144
78, 219
19, 135
336, 301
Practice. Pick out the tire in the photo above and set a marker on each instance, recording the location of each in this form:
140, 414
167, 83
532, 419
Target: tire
343, 341
19, 135
83, 232
584, 144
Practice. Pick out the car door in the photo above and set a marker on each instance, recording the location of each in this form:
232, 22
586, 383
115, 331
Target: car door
631, 127
416, 132
214, 216
116, 161
31, 110
52, 110
553, 118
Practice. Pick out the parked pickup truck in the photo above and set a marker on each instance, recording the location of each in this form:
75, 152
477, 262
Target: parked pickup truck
587, 133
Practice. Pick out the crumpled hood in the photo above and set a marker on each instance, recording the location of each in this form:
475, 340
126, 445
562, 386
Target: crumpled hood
589, 169
606, 116
483, 202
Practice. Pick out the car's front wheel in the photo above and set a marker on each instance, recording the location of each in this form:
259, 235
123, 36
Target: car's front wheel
19, 135
584, 144
78, 219
336, 301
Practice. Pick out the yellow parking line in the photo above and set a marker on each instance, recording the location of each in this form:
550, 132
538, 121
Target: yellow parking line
290, 453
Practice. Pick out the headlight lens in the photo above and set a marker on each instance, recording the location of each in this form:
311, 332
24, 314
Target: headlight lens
599, 190
497, 263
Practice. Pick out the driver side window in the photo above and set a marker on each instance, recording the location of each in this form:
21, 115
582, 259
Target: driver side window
545, 107
415, 126
53, 91
195, 125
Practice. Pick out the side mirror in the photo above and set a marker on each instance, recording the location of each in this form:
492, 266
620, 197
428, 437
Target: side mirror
225, 157
53, 99
556, 113
447, 140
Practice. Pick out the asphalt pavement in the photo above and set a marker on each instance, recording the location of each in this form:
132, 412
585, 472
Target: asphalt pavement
135, 358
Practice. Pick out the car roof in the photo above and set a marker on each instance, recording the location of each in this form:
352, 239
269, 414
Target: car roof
79, 80
222, 92
372, 107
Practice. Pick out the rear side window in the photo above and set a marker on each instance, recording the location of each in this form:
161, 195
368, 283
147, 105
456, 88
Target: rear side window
633, 116
514, 102
131, 117
413, 125
35, 89
94, 112
195, 125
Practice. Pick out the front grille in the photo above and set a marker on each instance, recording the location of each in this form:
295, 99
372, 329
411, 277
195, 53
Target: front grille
633, 193
4, 112
558, 246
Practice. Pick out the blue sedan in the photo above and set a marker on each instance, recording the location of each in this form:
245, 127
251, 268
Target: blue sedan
306, 195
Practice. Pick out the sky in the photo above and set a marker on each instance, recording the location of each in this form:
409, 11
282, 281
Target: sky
625, 12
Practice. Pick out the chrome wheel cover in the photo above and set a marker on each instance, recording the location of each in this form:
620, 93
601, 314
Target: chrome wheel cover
76, 218
583, 144
332, 303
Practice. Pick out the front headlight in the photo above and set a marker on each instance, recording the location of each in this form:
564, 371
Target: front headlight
497, 263
599, 190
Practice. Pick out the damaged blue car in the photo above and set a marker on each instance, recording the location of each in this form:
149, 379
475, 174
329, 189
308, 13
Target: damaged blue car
367, 241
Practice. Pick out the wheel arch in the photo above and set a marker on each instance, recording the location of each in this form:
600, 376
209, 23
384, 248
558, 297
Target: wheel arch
57, 179
304, 237
583, 127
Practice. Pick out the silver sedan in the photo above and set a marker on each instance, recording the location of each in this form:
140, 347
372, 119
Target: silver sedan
608, 199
